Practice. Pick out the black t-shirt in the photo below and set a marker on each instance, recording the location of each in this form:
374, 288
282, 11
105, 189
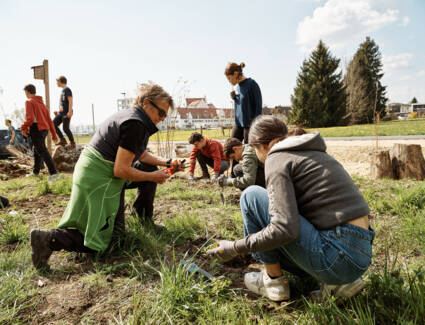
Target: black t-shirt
133, 136
64, 102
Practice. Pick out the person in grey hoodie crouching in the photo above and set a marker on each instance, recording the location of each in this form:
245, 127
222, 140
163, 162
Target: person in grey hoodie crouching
311, 220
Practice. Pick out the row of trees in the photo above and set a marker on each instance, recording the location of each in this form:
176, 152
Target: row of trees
324, 97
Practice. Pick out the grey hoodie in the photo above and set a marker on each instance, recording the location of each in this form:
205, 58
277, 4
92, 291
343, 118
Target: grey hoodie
302, 179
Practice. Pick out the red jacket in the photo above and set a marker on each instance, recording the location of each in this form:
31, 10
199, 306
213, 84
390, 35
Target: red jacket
213, 149
35, 109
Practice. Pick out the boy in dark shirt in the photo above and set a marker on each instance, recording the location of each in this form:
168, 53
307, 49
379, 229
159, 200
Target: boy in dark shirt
65, 112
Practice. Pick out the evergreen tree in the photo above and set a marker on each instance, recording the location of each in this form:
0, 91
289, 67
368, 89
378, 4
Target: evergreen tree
319, 98
414, 101
366, 95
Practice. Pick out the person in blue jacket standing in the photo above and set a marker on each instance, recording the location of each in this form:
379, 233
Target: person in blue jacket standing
247, 101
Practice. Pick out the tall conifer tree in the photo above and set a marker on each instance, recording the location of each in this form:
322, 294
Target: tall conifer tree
319, 98
366, 94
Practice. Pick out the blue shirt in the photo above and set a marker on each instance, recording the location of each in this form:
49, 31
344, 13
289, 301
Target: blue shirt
10, 130
248, 102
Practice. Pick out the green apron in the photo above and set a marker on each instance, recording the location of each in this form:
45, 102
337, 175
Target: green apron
95, 199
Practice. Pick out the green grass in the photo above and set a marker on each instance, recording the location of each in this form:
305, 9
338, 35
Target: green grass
62, 186
13, 229
396, 127
141, 279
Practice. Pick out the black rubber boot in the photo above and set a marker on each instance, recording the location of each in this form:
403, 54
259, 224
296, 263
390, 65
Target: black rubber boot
41, 251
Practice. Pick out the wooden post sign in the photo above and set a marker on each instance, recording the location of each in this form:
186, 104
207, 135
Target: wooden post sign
38, 72
42, 72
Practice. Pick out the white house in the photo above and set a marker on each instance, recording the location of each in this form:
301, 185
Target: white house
198, 113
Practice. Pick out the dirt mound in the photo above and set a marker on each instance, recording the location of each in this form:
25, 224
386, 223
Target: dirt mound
13, 168
66, 157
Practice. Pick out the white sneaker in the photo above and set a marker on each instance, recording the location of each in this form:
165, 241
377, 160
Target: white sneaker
343, 291
261, 284
31, 175
53, 178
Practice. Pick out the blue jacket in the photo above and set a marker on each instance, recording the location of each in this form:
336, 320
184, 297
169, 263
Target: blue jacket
248, 102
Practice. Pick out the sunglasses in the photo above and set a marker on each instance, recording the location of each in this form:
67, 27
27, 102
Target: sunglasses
161, 112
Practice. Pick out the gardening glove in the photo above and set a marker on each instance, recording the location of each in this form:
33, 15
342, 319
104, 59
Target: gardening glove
225, 181
191, 178
224, 252
215, 178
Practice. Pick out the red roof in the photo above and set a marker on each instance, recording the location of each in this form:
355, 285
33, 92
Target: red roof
191, 100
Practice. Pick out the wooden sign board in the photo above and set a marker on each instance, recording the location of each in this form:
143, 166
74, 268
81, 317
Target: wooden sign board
38, 72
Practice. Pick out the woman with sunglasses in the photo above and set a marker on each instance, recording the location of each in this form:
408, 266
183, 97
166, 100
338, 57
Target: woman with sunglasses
116, 159
311, 221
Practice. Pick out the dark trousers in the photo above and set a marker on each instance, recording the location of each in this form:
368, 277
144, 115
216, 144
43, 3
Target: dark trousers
41, 153
72, 240
260, 178
240, 133
143, 204
58, 120
204, 161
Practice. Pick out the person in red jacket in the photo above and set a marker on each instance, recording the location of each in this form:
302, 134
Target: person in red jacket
207, 152
37, 125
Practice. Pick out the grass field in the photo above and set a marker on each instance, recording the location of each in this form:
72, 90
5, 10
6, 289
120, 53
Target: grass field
142, 281
406, 127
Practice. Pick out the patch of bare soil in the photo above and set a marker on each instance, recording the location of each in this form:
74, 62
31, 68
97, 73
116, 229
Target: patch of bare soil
354, 155
69, 302
42, 208
233, 198
13, 169
355, 160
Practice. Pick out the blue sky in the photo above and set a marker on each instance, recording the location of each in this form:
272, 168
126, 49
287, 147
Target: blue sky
106, 47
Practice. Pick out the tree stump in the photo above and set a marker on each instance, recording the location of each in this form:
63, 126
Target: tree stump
380, 164
408, 161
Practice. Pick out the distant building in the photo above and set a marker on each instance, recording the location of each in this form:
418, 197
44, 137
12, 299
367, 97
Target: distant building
418, 107
279, 111
198, 113
397, 108
404, 109
123, 103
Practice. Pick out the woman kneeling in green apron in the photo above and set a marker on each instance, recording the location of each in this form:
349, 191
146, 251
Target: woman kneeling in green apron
115, 159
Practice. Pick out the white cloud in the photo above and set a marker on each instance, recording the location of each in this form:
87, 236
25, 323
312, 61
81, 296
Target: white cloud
421, 73
337, 21
395, 62
405, 21
404, 93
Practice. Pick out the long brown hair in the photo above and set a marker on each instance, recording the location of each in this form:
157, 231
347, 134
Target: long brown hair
266, 128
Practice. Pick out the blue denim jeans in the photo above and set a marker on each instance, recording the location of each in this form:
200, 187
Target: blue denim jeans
334, 256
